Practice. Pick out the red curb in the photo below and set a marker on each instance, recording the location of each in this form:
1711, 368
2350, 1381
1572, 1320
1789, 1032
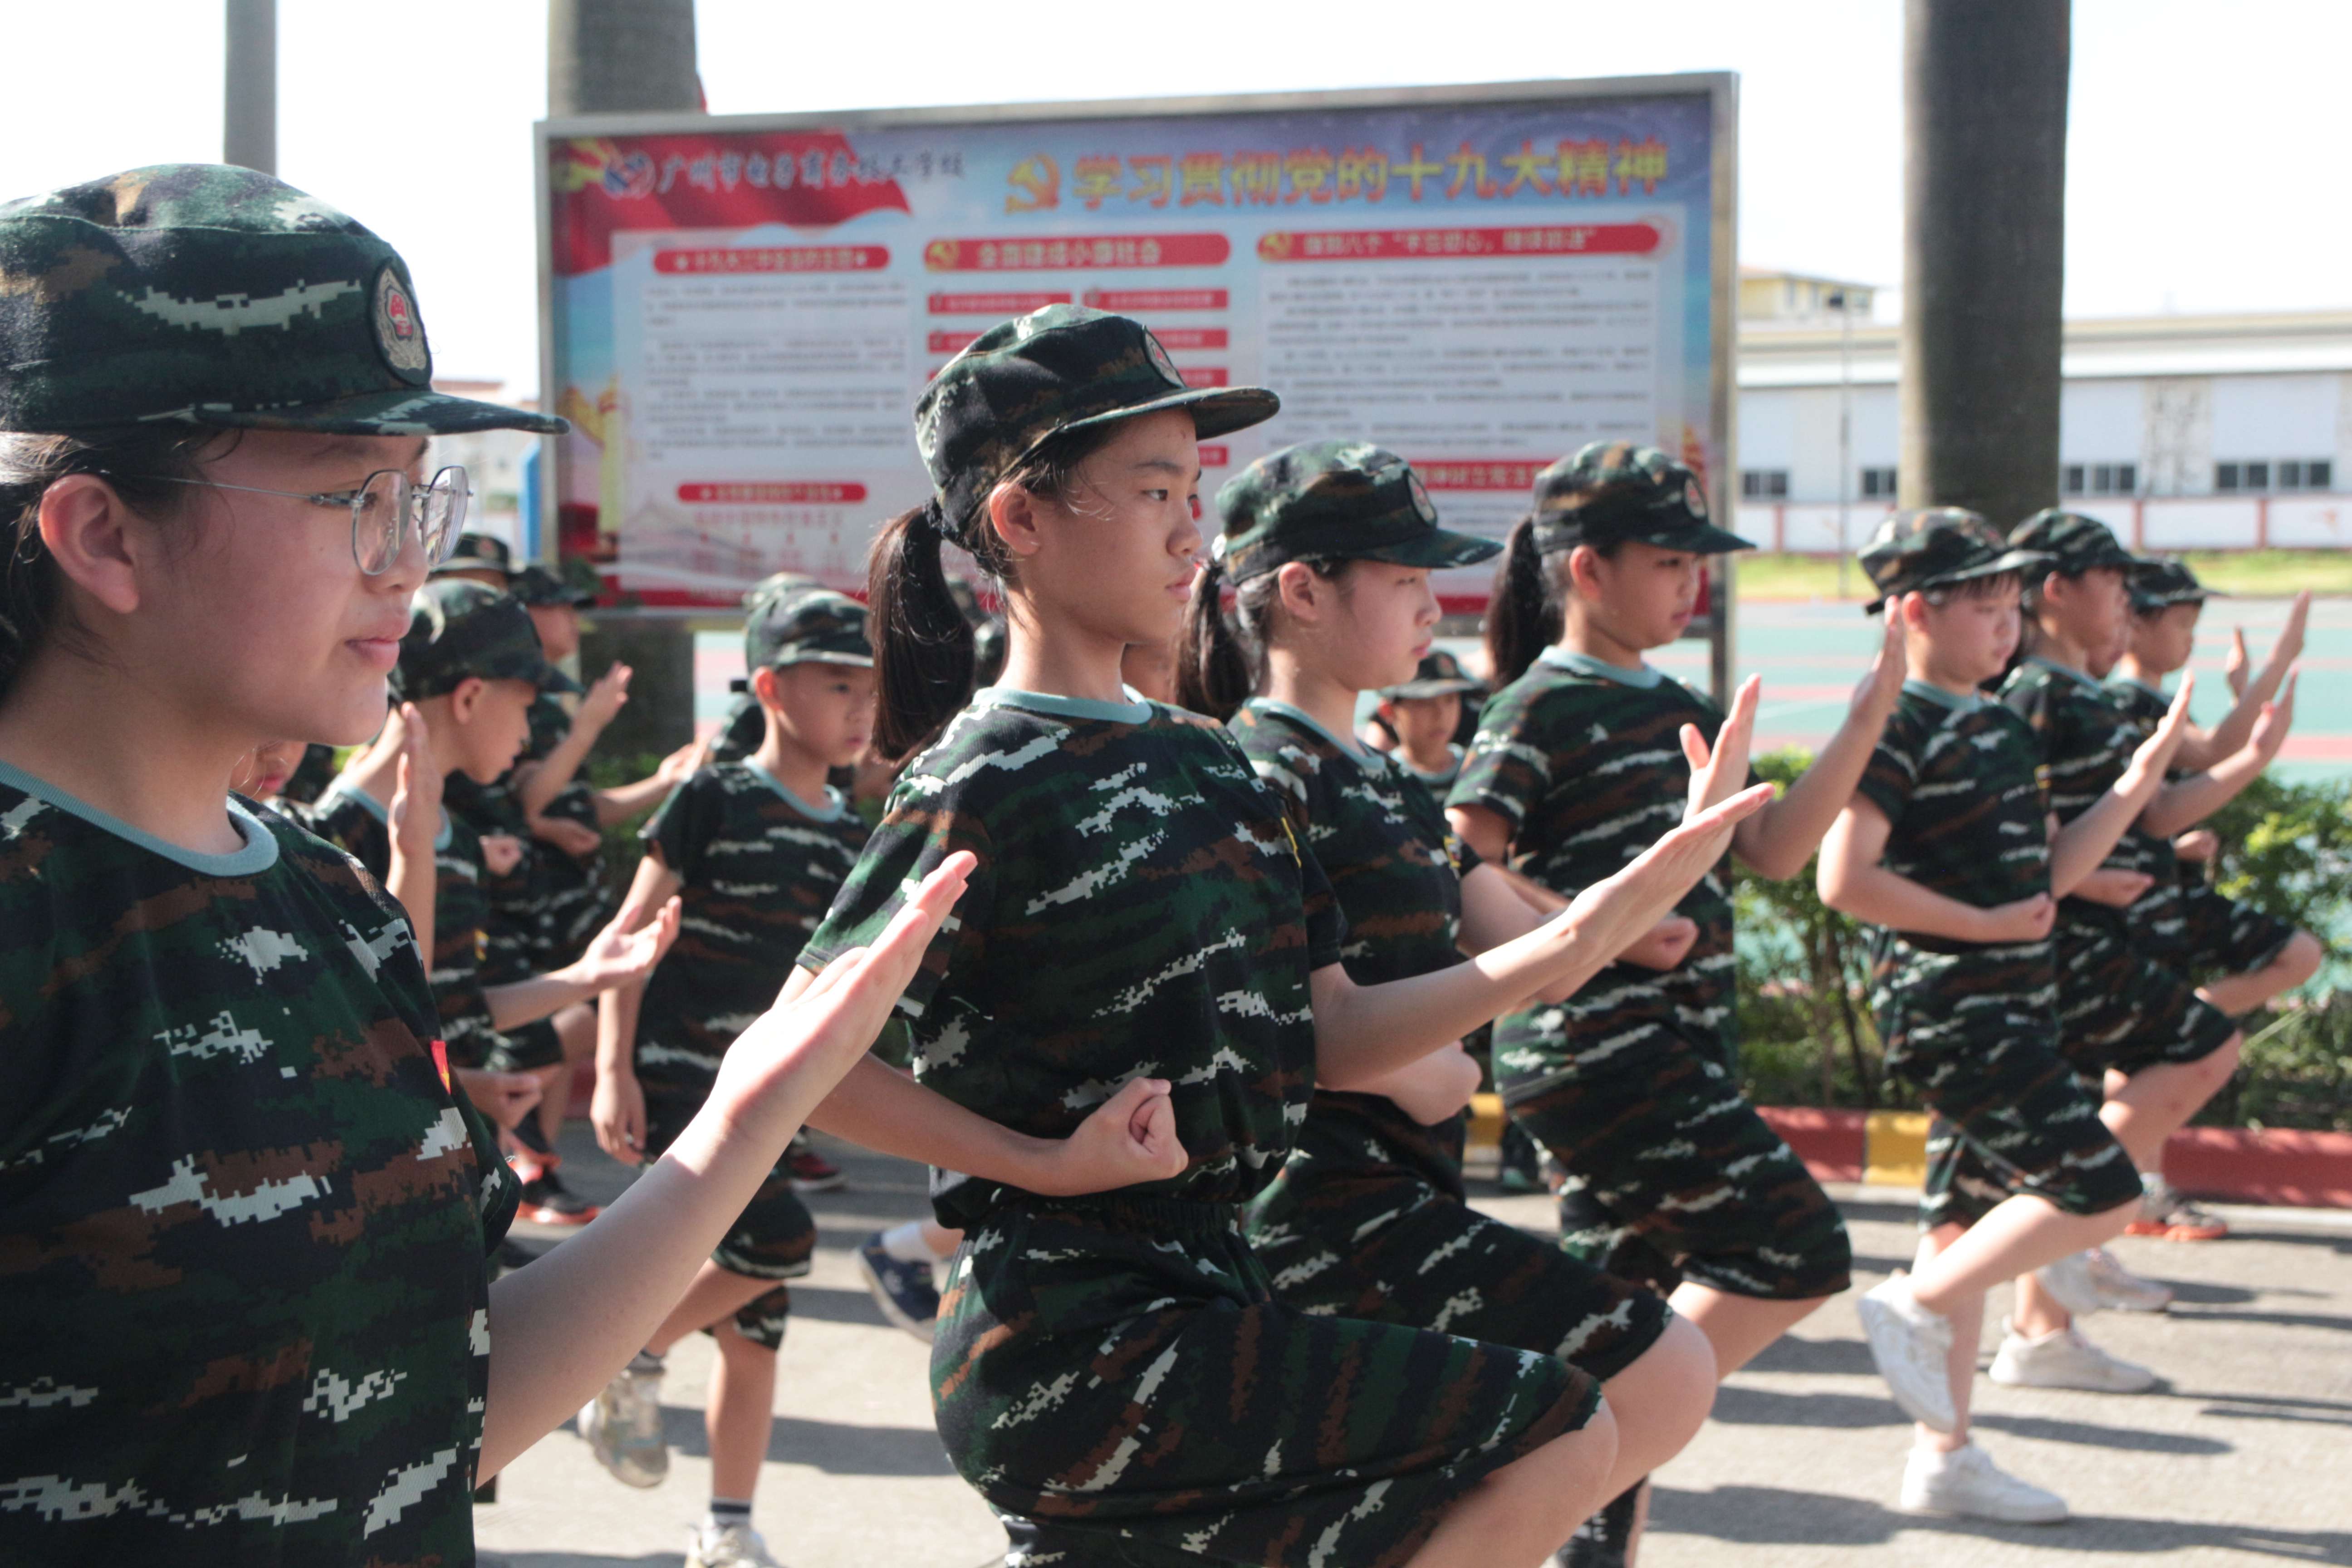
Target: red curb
1830, 1142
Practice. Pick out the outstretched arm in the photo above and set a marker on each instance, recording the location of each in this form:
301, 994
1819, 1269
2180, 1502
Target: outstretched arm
548, 1357
1778, 841
2204, 749
2077, 848
1852, 882
2184, 802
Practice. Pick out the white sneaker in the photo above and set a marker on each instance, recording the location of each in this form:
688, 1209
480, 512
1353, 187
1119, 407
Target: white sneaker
623, 1426
1913, 1348
2064, 1360
1967, 1483
727, 1546
2121, 1290
2071, 1285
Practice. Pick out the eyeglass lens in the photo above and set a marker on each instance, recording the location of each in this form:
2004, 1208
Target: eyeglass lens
388, 500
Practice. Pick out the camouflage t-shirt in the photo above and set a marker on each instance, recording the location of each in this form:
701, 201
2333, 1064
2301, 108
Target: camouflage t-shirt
1584, 762
2161, 910
758, 867
1140, 908
357, 823
2085, 742
242, 1222
1396, 867
1958, 778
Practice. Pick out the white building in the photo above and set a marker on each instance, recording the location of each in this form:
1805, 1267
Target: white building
2225, 432
492, 460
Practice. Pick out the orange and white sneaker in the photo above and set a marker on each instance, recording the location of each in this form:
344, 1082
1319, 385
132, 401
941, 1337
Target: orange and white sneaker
545, 1199
2166, 1215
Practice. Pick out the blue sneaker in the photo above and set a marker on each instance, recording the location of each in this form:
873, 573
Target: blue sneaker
904, 1291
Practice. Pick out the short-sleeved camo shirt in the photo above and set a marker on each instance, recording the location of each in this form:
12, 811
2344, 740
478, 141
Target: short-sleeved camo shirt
2159, 909
1141, 908
1396, 867
2085, 740
242, 1220
1584, 760
758, 867
1958, 778
357, 823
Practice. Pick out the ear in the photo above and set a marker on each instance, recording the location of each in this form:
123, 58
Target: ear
1912, 608
96, 540
1584, 571
1013, 513
763, 686
466, 698
1300, 591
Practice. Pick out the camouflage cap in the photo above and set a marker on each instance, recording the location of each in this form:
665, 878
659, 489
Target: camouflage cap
460, 631
202, 294
1063, 368
477, 552
539, 589
1935, 547
1608, 492
1335, 500
814, 626
778, 582
1440, 674
2074, 544
2160, 582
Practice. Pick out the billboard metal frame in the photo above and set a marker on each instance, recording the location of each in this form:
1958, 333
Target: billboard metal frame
1721, 89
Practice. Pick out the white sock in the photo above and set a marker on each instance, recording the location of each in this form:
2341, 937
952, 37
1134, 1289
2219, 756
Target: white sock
906, 1244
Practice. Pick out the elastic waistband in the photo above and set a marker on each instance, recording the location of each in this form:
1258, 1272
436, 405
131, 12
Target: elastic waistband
1152, 1212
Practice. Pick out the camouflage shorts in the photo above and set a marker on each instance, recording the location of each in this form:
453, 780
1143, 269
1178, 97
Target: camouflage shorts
773, 1238
1977, 1034
2226, 936
1671, 1175
2121, 1009
1116, 1378
1357, 1225
527, 1048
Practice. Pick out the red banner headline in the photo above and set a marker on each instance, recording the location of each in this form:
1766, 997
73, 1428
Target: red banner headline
812, 493
1087, 251
776, 259
1421, 244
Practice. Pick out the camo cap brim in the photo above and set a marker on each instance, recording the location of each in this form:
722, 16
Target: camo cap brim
1335, 500
1614, 492
2021, 561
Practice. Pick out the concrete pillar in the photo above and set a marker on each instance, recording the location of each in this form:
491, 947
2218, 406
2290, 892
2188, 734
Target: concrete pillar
1983, 253
620, 57
249, 94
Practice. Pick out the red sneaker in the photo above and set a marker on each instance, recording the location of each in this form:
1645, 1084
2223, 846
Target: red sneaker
811, 1171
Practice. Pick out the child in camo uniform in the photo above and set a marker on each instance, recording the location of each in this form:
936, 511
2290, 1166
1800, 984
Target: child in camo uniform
245, 1292
1944, 849
755, 849
1116, 1374
1330, 548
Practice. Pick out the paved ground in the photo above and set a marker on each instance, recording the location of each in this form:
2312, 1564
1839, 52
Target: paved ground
2245, 1458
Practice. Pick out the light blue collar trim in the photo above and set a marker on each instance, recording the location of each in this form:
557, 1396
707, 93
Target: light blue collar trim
1937, 694
380, 812
829, 812
1134, 712
259, 854
2158, 692
1640, 679
1307, 720
2080, 678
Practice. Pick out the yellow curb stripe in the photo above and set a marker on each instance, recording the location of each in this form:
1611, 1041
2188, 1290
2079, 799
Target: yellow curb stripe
1894, 1148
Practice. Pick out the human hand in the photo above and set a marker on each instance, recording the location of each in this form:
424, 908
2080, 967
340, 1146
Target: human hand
2236, 667
617, 1113
1717, 770
618, 955
1878, 690
1614, 911
2025, 920
1128, 1140
1664, 945
2198, 845
686, 761
506, 1098
2289, 646
2155, 754
414, 814
2114, 887
502, 853
607, 695
2273, 721
576, 839
1431, 1088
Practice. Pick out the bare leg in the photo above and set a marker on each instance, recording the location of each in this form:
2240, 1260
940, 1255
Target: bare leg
1967, 1316
1521, 1513
2036, 1312
941, 1239
715, 1295
1739, 1327
739, 1412
2156, 1102
2297, 962
1661, 1402
2021, 1234
575, 1030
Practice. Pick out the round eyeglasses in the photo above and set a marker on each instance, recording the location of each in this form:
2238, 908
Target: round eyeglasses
386, 506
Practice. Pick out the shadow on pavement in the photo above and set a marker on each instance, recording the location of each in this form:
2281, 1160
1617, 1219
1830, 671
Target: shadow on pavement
1814, 1357
830, 1446
1770, 1516
1771, 1407
2128, 1439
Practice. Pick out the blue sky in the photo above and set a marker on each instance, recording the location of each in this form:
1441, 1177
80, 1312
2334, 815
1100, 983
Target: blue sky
2201, 144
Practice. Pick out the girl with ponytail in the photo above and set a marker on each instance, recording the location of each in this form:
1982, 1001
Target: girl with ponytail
1145, 935
1672, 1178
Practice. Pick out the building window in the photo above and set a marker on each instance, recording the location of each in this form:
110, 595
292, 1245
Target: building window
1878, 484
2286, 474
2101, 478
1764, 484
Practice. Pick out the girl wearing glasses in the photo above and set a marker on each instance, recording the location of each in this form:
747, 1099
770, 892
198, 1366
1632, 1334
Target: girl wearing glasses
244, 1289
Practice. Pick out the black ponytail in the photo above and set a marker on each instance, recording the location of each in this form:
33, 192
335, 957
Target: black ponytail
1523, 613
138, 463
1214, 673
